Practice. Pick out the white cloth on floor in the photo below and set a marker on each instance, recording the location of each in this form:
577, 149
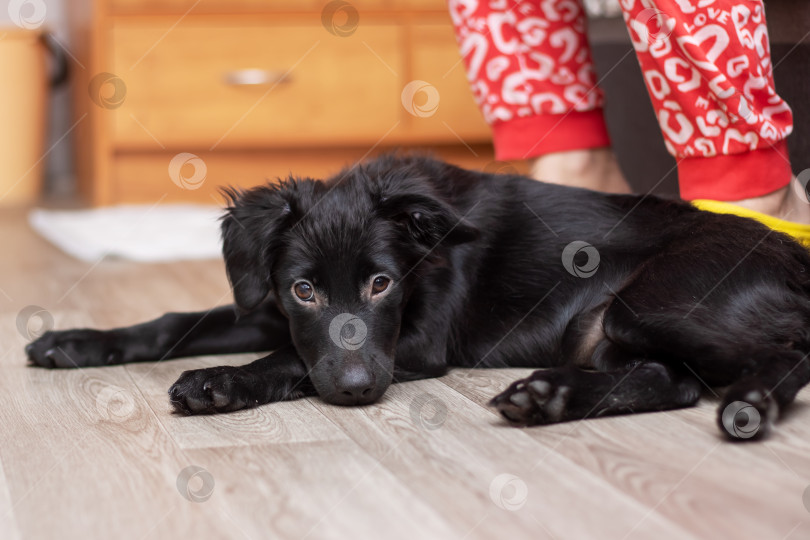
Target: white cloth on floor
159, 233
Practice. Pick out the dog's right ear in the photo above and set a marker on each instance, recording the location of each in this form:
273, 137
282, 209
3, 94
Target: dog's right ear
251, 235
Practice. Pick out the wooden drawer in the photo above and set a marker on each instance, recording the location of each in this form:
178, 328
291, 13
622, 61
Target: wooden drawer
178, 96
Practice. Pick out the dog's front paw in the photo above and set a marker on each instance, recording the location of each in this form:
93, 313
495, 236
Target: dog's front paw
538, 399
73, 348
214, 390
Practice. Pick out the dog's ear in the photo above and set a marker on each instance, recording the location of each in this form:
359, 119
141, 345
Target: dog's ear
252, 228
429, 220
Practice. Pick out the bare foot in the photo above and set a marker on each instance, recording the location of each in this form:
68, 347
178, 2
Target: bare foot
789, 203
594, 168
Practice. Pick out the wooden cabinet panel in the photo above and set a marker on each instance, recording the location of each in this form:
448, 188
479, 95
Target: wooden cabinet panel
436, 60
183, 86
143, 177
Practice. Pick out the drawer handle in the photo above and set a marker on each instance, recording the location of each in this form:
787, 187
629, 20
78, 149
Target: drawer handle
255, 77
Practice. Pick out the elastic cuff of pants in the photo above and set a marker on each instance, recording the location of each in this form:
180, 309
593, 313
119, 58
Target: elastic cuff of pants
737, 176
532, 136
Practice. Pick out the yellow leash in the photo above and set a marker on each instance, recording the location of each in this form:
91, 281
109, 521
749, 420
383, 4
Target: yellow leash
797, 230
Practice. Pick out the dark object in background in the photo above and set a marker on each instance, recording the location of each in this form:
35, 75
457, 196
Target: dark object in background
630, 117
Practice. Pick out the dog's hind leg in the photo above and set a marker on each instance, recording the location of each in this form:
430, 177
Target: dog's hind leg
569, 393
217, 331
751, 404
744, 326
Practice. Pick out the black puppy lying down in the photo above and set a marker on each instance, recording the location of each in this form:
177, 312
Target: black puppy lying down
399, 268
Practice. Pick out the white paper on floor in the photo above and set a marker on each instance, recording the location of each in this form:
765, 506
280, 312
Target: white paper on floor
160, 233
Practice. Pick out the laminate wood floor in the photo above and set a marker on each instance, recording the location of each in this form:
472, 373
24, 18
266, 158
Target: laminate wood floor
96, 453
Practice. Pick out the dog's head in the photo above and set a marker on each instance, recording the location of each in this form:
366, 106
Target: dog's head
340, 260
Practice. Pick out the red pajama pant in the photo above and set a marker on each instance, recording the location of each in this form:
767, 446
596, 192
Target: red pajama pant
706, 64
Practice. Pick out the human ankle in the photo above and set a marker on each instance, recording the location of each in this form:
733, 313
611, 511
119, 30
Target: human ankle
784, 203
594, 168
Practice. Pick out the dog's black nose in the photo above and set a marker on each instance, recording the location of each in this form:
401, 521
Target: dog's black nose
355, 386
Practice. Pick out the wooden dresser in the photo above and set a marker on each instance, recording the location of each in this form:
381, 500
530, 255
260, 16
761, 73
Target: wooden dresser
176, 97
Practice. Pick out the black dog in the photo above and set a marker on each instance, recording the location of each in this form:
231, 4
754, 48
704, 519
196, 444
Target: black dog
396, 269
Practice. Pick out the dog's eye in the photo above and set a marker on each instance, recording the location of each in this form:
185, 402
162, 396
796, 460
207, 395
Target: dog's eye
379, 284
304, 291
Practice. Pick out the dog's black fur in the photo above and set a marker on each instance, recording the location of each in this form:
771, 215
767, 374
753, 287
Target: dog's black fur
488, 271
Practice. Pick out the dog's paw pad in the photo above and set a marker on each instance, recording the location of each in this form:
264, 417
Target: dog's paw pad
222, 400
540, 388
536, 400
521, 399
197, 404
